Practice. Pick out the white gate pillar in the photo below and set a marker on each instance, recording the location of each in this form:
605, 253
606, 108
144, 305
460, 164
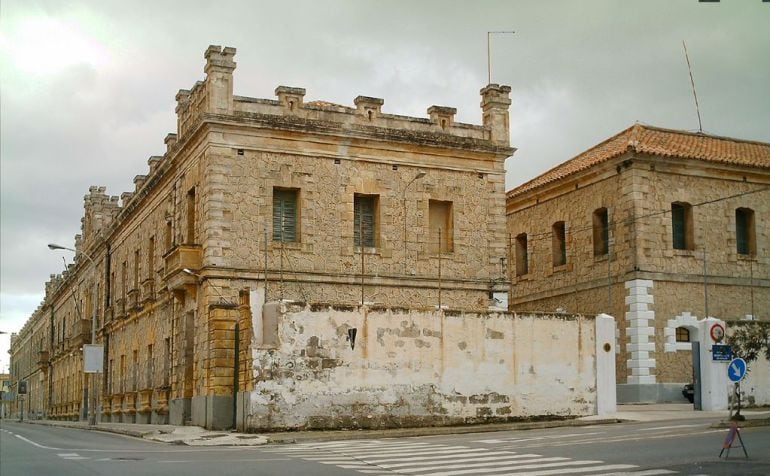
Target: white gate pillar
713, 375
606, 391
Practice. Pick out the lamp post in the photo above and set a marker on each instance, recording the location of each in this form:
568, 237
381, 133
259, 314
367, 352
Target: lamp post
420, 174
92, 414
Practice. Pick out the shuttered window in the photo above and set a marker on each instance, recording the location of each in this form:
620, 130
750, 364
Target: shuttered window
365, 220
681, 226
285, 227
744, 231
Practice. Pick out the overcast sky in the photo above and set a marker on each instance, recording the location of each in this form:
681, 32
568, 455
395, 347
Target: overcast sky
88, 86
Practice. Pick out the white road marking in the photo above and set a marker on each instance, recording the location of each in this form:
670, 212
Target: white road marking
543, 463
512, 470
671, 427
649, 472
37, 444
489, 456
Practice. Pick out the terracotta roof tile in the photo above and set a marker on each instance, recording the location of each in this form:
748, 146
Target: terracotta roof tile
657, 141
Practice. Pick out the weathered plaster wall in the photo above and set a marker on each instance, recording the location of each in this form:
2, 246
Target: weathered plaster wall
411, 368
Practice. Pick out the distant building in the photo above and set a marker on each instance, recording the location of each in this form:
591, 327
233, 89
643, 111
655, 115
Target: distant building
640, 226
259, 200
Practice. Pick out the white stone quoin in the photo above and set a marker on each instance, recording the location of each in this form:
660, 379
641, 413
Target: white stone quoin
640, 331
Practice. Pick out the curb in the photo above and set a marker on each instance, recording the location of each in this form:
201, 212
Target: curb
311, 436
743, 424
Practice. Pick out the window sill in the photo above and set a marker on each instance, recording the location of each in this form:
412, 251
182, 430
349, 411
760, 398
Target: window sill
523, 277
685, 253
562, 268
287, 245
750, 257
601, 258
367, 250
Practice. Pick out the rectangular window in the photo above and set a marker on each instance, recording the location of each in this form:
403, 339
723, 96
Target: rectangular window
365, 220
441, 226
135, 371
122, 378
559, 244
150, 369
745, 232
167, 362
151, 258
136, 270
168, 237
190, 238
601, 232
522, 257
681, 226
123, 280
285, 216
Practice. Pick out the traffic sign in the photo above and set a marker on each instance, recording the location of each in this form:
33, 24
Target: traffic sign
717, 332
736, 370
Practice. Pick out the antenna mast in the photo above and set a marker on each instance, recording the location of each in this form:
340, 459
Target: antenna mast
692, 82
489, 52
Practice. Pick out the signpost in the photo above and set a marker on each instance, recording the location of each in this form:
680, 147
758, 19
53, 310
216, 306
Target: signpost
22, 392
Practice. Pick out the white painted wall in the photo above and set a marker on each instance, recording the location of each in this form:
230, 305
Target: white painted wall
756, 385
412, 368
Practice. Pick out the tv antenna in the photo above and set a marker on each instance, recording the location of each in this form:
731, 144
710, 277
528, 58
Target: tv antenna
489, 52
692, 82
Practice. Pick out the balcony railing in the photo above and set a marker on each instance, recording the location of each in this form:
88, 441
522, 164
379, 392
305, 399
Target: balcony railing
181, 257
42, 359
81, 333
148, 290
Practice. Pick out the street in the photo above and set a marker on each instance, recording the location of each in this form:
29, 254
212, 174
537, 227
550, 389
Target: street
687, 447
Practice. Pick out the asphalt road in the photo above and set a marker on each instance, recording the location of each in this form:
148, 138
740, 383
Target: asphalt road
687, 447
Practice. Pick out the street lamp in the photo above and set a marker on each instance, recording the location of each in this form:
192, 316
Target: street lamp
420, 174
222, 299
92, 416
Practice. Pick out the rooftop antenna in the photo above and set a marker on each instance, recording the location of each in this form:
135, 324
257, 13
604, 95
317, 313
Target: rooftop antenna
692, 82
489, 52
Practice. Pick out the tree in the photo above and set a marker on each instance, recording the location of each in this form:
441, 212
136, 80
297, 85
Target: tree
750, 340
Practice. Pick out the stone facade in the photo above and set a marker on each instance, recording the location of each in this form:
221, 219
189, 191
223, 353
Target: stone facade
167, 271
634, 271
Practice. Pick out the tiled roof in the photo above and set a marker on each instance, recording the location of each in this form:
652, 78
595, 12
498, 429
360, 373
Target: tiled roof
662, 142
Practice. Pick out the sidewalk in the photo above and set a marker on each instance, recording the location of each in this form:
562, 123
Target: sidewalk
196, 436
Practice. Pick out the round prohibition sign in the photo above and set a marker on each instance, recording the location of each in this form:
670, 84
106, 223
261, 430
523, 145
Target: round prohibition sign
717, 332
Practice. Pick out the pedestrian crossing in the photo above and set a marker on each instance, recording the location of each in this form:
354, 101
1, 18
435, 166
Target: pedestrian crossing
415, 458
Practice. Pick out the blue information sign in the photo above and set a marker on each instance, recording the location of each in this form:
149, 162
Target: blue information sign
721, 353
736, 370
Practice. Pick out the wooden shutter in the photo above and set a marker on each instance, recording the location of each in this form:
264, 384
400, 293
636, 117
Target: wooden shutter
285, 215
364, 220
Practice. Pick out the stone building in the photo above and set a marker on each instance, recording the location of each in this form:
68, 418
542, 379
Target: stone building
657, 227
257, 201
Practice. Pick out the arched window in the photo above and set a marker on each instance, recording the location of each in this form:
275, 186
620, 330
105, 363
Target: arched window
682, 334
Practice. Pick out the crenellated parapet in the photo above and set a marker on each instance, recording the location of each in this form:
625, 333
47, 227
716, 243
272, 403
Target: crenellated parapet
214, 96
100, 211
